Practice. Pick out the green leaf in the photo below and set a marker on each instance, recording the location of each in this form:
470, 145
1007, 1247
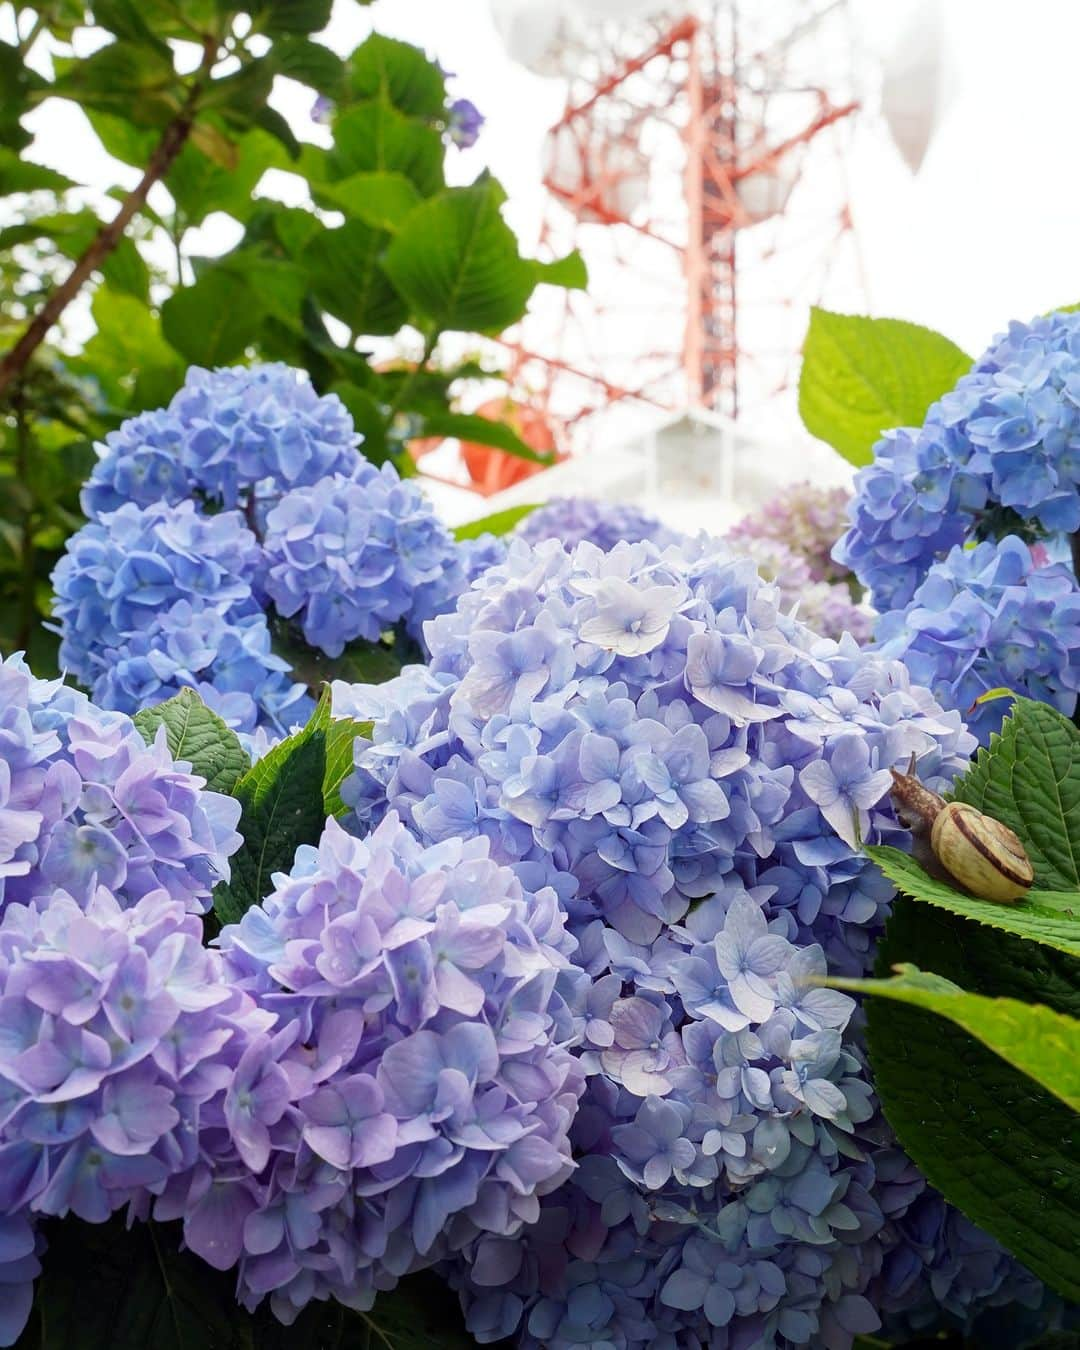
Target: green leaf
997, 1144
129, 339
19, 85
400, 74
569, 272
291, 16
1029, 778
279, 813
128, 79
1041, 1043
502, 522
1049, 917
310, 63
340, 737
124, 18
347, 278
368, 417
382, 200
375, 138
862, 376
196, 734
483, 431
21, 175
212, 322
456, 261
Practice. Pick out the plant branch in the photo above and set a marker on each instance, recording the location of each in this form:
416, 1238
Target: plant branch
1074, 545
105, 241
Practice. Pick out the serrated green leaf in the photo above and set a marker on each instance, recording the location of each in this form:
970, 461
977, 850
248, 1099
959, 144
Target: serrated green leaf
998, 1145
21, 175
215, 320
279, 813
196, 734
1029, 778
382, 200
569, 272
348, 279
397, 73
1036, 1040
340, 737
1045, 916
863, 376
298, 58
129, 339
456, 261
291, 16
500, 522
375, 138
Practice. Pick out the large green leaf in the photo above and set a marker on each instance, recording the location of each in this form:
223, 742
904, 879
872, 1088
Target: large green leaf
456, 261
196, 734
19, 85
348, 279
279, 813
861, 376
129, 341
483, 431
199, 185
1029, 778
22, 175
382, 200
1050, 917
502, 522
400, 74
213, 321
998, 1145
132, 80
341, 735
290, 16
375, 138
1036, 1040
298, 58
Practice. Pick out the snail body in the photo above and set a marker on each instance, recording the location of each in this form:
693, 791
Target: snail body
980, 853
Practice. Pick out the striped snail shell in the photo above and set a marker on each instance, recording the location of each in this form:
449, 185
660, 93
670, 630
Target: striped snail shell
979, 852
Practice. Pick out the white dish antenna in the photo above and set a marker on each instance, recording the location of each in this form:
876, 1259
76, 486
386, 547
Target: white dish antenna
548, 37
914, 86
765, 192
600, 182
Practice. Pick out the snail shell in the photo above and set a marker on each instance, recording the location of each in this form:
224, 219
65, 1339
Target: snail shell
974, 849
984, 855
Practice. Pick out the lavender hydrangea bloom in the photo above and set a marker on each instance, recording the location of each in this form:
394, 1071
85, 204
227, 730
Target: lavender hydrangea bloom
351, 556
233, 437
574, 519
824, 606
117, 1033
433, 1099
84, 802
989, 618
650, 723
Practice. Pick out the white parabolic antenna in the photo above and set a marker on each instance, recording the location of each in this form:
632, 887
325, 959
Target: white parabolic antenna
548, 36
597, 182
914, 87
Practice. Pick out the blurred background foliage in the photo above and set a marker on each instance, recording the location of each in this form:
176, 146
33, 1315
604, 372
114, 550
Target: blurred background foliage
181, 90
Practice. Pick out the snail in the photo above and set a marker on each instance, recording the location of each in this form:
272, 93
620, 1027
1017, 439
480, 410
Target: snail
974, 849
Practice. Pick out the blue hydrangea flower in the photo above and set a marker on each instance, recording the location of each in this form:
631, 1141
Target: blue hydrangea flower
352, 556
432, 1100
694, 771
85, 803
234, 437
989, 618
463, 123
155, 599
605, 524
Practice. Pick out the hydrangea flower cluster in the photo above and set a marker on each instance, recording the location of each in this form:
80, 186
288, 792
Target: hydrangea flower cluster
431, 1100
85, 804
806, 519
989, 618
824, 606
246, 492
995, 457
353, 555
152, 599
694, 771
605, 524
464, 122
230, 437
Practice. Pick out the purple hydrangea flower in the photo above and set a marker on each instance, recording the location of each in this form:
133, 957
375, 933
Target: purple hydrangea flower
652, 724
430, 1096
463, 123
804, 520
605, 524
85, 803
